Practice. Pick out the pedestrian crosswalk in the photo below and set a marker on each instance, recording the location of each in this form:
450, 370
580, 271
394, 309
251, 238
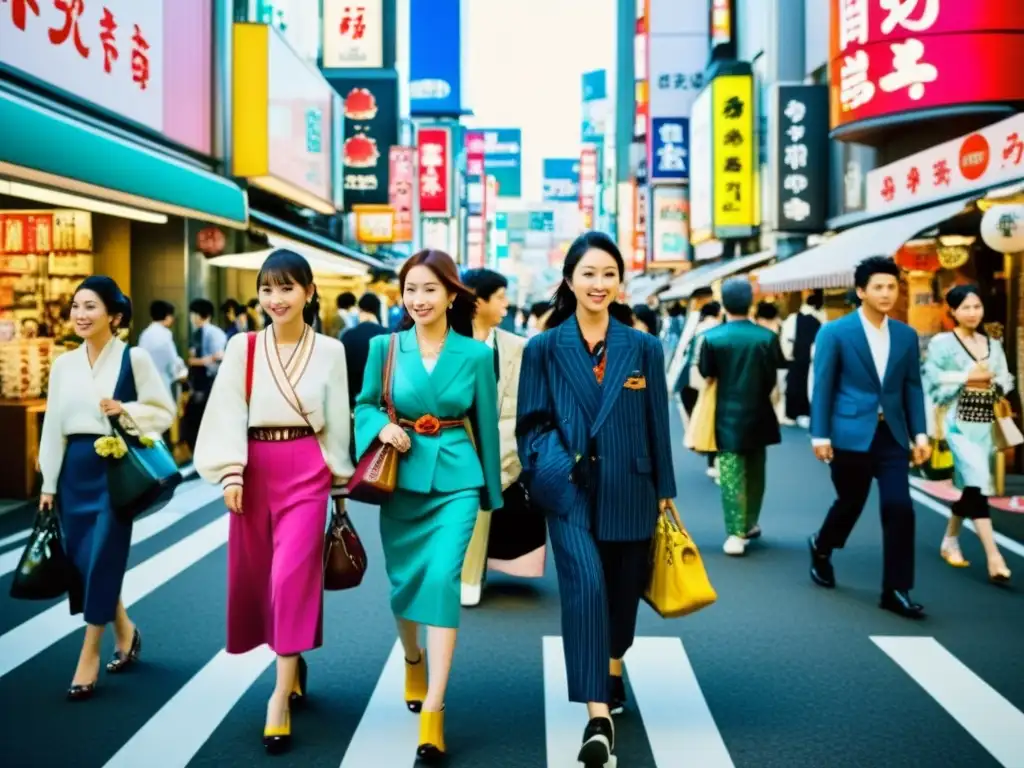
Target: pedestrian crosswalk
672, 701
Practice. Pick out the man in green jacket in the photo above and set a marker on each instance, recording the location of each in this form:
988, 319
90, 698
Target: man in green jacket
743, 358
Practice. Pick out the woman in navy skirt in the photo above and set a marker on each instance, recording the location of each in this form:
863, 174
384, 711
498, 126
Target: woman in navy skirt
100, 379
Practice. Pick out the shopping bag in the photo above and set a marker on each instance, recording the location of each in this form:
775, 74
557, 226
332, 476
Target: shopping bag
679, 585
700, 435
44, 571
1005, 431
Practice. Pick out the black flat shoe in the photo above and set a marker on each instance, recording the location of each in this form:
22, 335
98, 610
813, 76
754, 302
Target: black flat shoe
616, 695
898, 601
298, 694
81, 692
122, 660
598, 743
822, 572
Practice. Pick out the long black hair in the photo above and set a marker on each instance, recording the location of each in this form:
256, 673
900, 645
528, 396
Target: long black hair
118, 306
284, 267
564, 300
460, 315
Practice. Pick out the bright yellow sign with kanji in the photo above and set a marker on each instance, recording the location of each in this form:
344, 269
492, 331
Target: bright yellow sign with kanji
735, 155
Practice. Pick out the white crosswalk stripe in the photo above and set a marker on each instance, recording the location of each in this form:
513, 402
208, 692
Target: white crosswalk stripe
996, 724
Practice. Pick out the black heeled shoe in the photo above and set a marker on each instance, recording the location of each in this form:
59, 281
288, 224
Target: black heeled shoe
81, 692
298, 694
277, 739
122, 660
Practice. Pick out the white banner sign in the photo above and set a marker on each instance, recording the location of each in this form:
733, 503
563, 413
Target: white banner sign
109, 53
677, 73
988, 157
701, 170
353, 34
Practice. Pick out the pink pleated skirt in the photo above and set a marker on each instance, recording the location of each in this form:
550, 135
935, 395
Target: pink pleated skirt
275, 549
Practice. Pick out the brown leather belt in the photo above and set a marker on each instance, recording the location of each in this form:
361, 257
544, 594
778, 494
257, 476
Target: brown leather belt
279, 434
429, 426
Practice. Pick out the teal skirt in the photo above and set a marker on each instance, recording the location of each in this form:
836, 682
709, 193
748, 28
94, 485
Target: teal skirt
425, 537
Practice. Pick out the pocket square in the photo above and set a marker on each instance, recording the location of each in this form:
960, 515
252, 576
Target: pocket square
636, 382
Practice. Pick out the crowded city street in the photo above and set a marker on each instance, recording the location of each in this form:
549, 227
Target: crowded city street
778, 673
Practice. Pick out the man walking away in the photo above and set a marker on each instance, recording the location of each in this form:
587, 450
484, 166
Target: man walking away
743, 358
799, 332
867, 405
357, 349
206, 350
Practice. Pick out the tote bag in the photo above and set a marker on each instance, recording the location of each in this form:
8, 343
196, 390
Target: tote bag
700, 435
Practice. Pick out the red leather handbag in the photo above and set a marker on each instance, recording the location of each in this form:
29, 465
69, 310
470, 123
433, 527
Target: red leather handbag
344, 554
376, 474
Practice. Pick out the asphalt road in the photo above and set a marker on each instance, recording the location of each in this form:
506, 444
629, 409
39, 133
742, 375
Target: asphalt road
777, 673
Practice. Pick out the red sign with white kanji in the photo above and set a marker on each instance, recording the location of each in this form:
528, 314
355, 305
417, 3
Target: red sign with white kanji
889, 57
434, 148
401, 181
108, 52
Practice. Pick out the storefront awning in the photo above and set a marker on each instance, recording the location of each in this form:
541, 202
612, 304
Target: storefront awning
831, 264
41, 147
274, 227
641, 287
684, 285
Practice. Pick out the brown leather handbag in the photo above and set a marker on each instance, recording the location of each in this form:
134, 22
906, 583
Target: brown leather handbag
344, 555
376, 474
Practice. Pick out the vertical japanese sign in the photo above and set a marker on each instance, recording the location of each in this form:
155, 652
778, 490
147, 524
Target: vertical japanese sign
733, 153
800, 146
353, 34
503, 158
401, 172
595, 105
670, 232
891, 58
435, 57
641, 200
371, 129
475, 164
702, 170
434, 145
588, 185
669, 152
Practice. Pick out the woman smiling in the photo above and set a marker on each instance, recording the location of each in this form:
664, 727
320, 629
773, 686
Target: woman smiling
443, 382
275, 436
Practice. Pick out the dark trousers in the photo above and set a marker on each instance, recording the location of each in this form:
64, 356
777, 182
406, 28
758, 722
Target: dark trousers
887, 462
600, 583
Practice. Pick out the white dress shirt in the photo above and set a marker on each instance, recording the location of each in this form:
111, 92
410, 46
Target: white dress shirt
158, 340
880, 344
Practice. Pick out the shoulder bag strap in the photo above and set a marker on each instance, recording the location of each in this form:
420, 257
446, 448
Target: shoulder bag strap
387, 380
250, 363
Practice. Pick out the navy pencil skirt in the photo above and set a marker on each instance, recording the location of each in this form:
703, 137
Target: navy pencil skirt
95, 540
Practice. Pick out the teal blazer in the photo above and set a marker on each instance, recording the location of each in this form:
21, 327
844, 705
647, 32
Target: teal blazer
462, 384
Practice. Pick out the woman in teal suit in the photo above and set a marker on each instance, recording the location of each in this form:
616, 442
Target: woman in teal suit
443, 381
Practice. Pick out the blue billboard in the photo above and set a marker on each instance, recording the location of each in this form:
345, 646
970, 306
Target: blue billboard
435, 58
670, 143
595, 104
561, 179
503, 158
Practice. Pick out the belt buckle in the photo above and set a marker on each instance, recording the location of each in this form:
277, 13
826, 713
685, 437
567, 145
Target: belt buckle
427, 425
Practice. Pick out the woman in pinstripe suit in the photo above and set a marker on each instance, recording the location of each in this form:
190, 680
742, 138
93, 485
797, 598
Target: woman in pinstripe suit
594, 443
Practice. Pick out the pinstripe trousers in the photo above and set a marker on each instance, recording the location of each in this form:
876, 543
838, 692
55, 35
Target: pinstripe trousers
600, 584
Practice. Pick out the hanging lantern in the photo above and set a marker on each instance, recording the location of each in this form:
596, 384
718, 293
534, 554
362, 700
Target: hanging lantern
1002, 228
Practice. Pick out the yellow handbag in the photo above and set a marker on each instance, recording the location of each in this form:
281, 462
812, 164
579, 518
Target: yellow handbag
700, 436
679, 584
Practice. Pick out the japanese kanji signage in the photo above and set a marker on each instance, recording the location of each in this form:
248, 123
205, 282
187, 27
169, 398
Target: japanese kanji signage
889, 57
434, 145
402, 178
375, 224
987, 158
371, 129
733, 156
128, 57
800, 144
670, 159
670, 231
588, 184
287, 146
353, 34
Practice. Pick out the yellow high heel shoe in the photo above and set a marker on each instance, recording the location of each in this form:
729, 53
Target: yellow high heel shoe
431, 748
416, 682
277, 739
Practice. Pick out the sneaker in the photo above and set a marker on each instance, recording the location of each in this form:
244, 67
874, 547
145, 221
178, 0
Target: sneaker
735, 546
598, 743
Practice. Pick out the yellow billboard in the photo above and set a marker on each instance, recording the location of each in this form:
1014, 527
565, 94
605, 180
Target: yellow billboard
734, 149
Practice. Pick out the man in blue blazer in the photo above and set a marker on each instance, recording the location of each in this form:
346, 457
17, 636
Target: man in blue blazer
867, 420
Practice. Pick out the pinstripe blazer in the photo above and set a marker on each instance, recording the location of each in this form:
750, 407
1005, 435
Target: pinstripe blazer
620, 434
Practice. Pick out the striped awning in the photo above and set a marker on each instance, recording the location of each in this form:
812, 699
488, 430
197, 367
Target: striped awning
684, 285
832, 264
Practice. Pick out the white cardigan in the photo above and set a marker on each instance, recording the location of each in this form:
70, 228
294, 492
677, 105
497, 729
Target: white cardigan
73, 401
313, 381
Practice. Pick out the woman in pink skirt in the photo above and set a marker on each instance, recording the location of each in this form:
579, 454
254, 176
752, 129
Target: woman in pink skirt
275, 435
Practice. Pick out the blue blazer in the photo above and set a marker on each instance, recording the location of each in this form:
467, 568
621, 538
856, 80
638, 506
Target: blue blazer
619, 434
847, 393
